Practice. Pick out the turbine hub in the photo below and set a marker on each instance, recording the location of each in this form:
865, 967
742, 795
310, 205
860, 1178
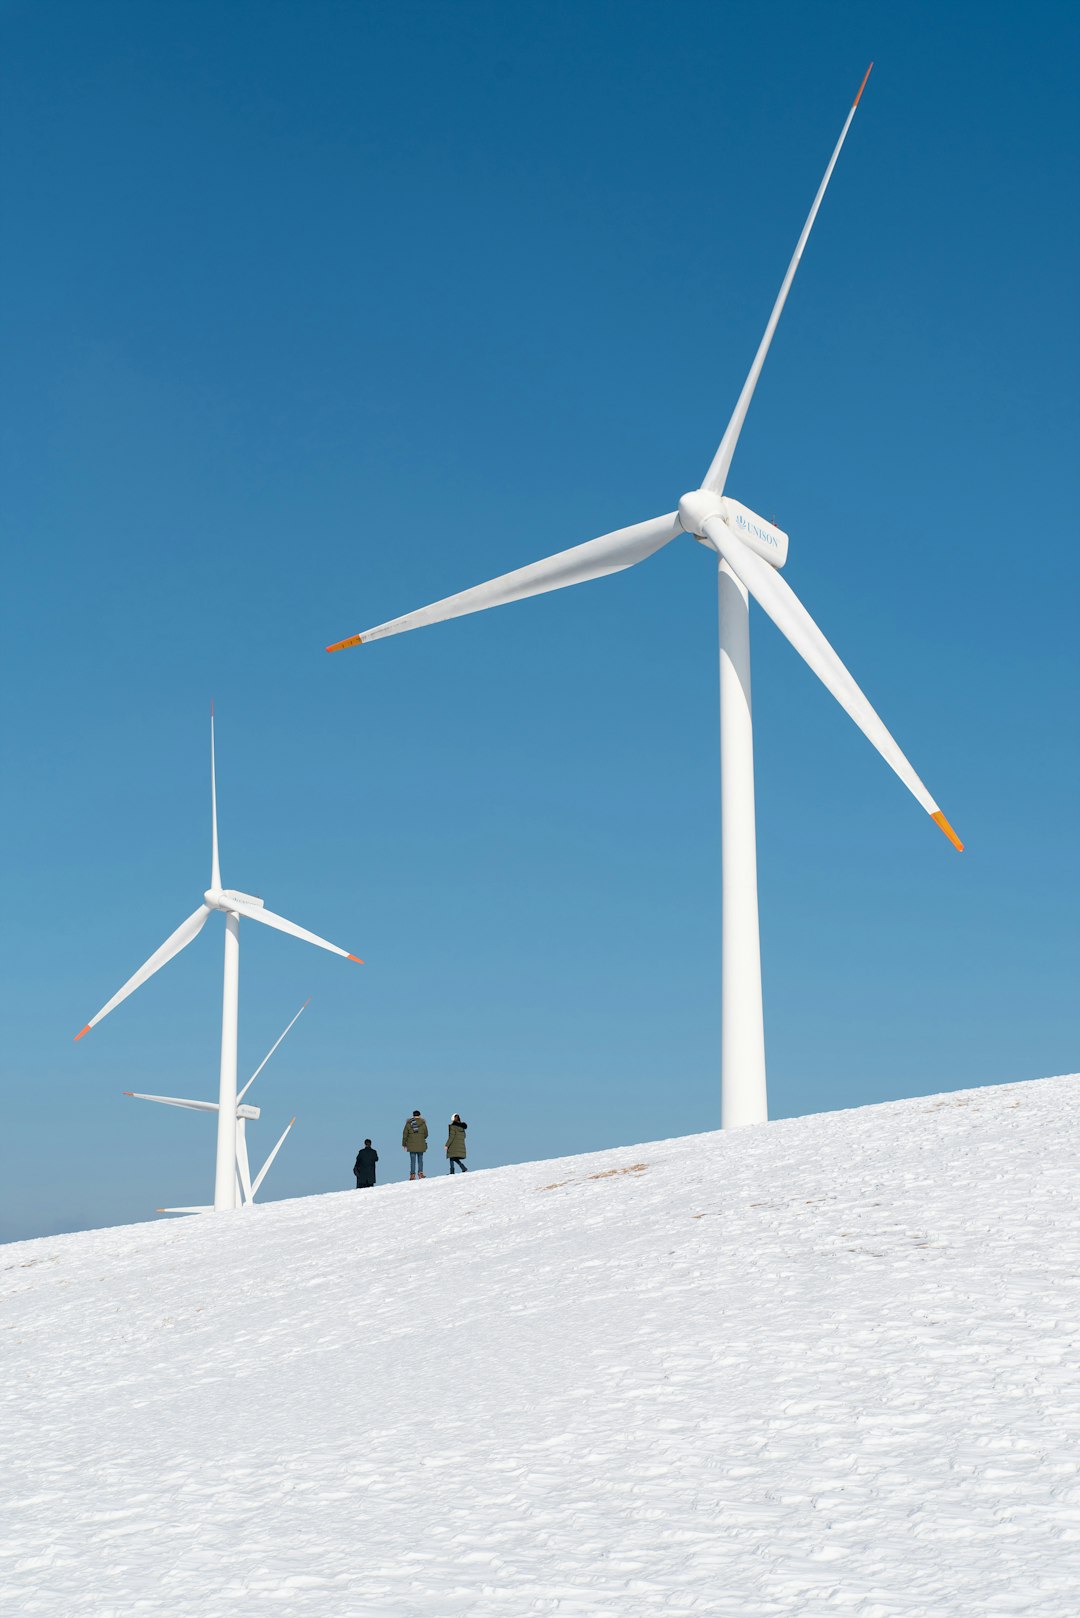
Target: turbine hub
697, 507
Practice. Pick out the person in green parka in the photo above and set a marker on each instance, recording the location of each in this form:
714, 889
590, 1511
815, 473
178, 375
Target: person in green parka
414, 1140
455, 1144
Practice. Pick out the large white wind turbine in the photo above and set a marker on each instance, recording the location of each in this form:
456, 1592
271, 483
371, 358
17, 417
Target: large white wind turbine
233, 905
246, 1188
749, 552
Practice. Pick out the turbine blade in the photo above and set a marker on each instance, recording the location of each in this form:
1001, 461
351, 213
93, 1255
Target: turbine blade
242, 1164
174, 1101
206, 1208
593, 560
172, 946
261, 1176
215, 869
773, 593
271, 1051
716, 476
269, 919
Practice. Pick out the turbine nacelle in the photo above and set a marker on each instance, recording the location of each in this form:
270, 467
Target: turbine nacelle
231, 899
697, 508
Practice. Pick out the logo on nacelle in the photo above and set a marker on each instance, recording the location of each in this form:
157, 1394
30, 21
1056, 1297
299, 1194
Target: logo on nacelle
756, 529
761, 536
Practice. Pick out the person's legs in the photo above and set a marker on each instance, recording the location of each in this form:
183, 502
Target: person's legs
415, 1160
420, 1160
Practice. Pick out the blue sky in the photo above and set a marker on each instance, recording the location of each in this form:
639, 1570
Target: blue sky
314, 313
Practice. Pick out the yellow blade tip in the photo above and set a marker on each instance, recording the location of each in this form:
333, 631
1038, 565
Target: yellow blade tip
340, 645
82, 1031
940, 820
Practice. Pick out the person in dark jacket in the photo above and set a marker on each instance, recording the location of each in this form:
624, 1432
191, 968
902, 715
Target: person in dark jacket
364, 1167
455, 1144
414, 1140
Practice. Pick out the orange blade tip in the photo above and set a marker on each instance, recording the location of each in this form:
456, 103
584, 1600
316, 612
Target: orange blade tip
940, 820
340, 645
127, 1092
82, 1031
357, 959
862, 87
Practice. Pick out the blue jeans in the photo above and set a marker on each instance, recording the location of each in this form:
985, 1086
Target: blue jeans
416, 1162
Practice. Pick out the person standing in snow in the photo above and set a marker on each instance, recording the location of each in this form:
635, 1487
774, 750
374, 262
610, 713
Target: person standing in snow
364, 1167
414, 1140
455, 1144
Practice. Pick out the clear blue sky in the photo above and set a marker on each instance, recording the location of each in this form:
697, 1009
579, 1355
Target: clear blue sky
314, 313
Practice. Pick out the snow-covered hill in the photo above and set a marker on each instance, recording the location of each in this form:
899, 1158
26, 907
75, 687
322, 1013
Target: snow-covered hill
830, 1366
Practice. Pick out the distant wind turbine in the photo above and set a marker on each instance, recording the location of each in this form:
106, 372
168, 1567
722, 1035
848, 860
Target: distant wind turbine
246, 1187
233, 905
749, 551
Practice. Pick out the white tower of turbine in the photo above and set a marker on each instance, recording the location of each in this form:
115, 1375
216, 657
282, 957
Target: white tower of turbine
233, 905
749, 553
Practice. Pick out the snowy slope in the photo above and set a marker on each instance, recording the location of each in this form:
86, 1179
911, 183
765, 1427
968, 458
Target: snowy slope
829, 1366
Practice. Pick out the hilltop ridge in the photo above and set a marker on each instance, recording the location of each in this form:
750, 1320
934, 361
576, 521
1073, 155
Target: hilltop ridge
824, 1365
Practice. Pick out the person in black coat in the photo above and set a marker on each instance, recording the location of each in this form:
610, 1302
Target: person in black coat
364, 1167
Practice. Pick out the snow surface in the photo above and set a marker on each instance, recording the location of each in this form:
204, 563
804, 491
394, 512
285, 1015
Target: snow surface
827, 1366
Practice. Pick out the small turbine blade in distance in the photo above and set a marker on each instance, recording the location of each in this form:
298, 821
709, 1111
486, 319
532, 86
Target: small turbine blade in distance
243, 1167
261, 1176
271, 1051
174, 1101
215, 870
